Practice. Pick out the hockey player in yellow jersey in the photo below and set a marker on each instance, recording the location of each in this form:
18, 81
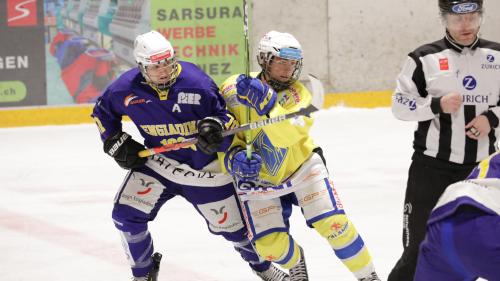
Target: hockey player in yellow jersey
286, 168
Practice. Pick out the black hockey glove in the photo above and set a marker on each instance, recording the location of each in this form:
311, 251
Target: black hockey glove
210, 135
125, 150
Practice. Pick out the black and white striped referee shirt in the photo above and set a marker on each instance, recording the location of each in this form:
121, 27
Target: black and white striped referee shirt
439, 68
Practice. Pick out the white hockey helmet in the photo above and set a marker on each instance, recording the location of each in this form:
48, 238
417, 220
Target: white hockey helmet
152, 48
282, 45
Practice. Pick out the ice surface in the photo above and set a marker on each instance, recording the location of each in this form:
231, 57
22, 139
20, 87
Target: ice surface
57, 189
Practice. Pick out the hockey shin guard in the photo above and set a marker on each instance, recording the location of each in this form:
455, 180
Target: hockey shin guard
248, 253
278, 247
347, 244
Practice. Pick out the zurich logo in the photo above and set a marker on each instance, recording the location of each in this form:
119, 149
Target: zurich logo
464, 8
469, 83
490, 58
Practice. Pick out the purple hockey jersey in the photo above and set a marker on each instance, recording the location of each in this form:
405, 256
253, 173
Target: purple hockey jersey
167, 117
481, 190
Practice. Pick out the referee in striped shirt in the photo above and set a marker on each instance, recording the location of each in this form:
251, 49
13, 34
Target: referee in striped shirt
451, 87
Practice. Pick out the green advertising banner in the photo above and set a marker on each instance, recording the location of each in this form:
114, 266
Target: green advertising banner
208, 33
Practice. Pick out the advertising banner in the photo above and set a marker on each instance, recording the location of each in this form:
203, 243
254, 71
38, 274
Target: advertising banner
208, 33
64, 52
22, 53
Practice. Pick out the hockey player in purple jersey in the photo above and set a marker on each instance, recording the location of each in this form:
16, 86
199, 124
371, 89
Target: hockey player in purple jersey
463, 231
169, 101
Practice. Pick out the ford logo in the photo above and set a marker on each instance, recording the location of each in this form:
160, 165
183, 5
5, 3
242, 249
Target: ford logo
464, 8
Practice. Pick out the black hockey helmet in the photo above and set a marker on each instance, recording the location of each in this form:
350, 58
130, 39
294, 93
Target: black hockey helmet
460, 6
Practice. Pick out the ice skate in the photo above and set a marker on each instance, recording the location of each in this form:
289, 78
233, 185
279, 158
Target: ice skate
153, 273
299, 271
273, 274
372, 277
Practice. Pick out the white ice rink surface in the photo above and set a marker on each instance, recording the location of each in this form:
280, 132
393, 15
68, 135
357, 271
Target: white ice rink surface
57, 189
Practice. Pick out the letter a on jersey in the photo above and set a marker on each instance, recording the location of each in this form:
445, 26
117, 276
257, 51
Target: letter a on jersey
176, 108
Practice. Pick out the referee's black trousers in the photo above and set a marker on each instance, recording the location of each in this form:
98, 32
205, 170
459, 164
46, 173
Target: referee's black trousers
427, 179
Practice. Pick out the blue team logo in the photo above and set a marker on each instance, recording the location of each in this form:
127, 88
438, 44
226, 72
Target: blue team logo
469, 83
273, 157
464, 8
490, 58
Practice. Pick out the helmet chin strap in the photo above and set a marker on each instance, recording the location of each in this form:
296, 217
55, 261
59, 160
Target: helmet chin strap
160, 89
162, 92
158, 86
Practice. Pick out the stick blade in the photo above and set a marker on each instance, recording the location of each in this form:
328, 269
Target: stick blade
317, 91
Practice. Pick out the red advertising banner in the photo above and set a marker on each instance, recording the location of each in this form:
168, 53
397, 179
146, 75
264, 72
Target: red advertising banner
21, 13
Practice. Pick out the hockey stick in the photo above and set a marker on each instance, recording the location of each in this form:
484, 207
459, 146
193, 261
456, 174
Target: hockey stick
248, 134
243, 128
317, 92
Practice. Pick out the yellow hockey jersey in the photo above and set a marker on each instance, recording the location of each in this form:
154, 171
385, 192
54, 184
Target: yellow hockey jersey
283, 146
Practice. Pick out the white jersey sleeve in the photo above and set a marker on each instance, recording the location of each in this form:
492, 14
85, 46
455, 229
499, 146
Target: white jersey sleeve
408, 104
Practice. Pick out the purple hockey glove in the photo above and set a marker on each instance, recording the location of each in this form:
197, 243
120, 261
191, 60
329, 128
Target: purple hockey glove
252, 92
243, 168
